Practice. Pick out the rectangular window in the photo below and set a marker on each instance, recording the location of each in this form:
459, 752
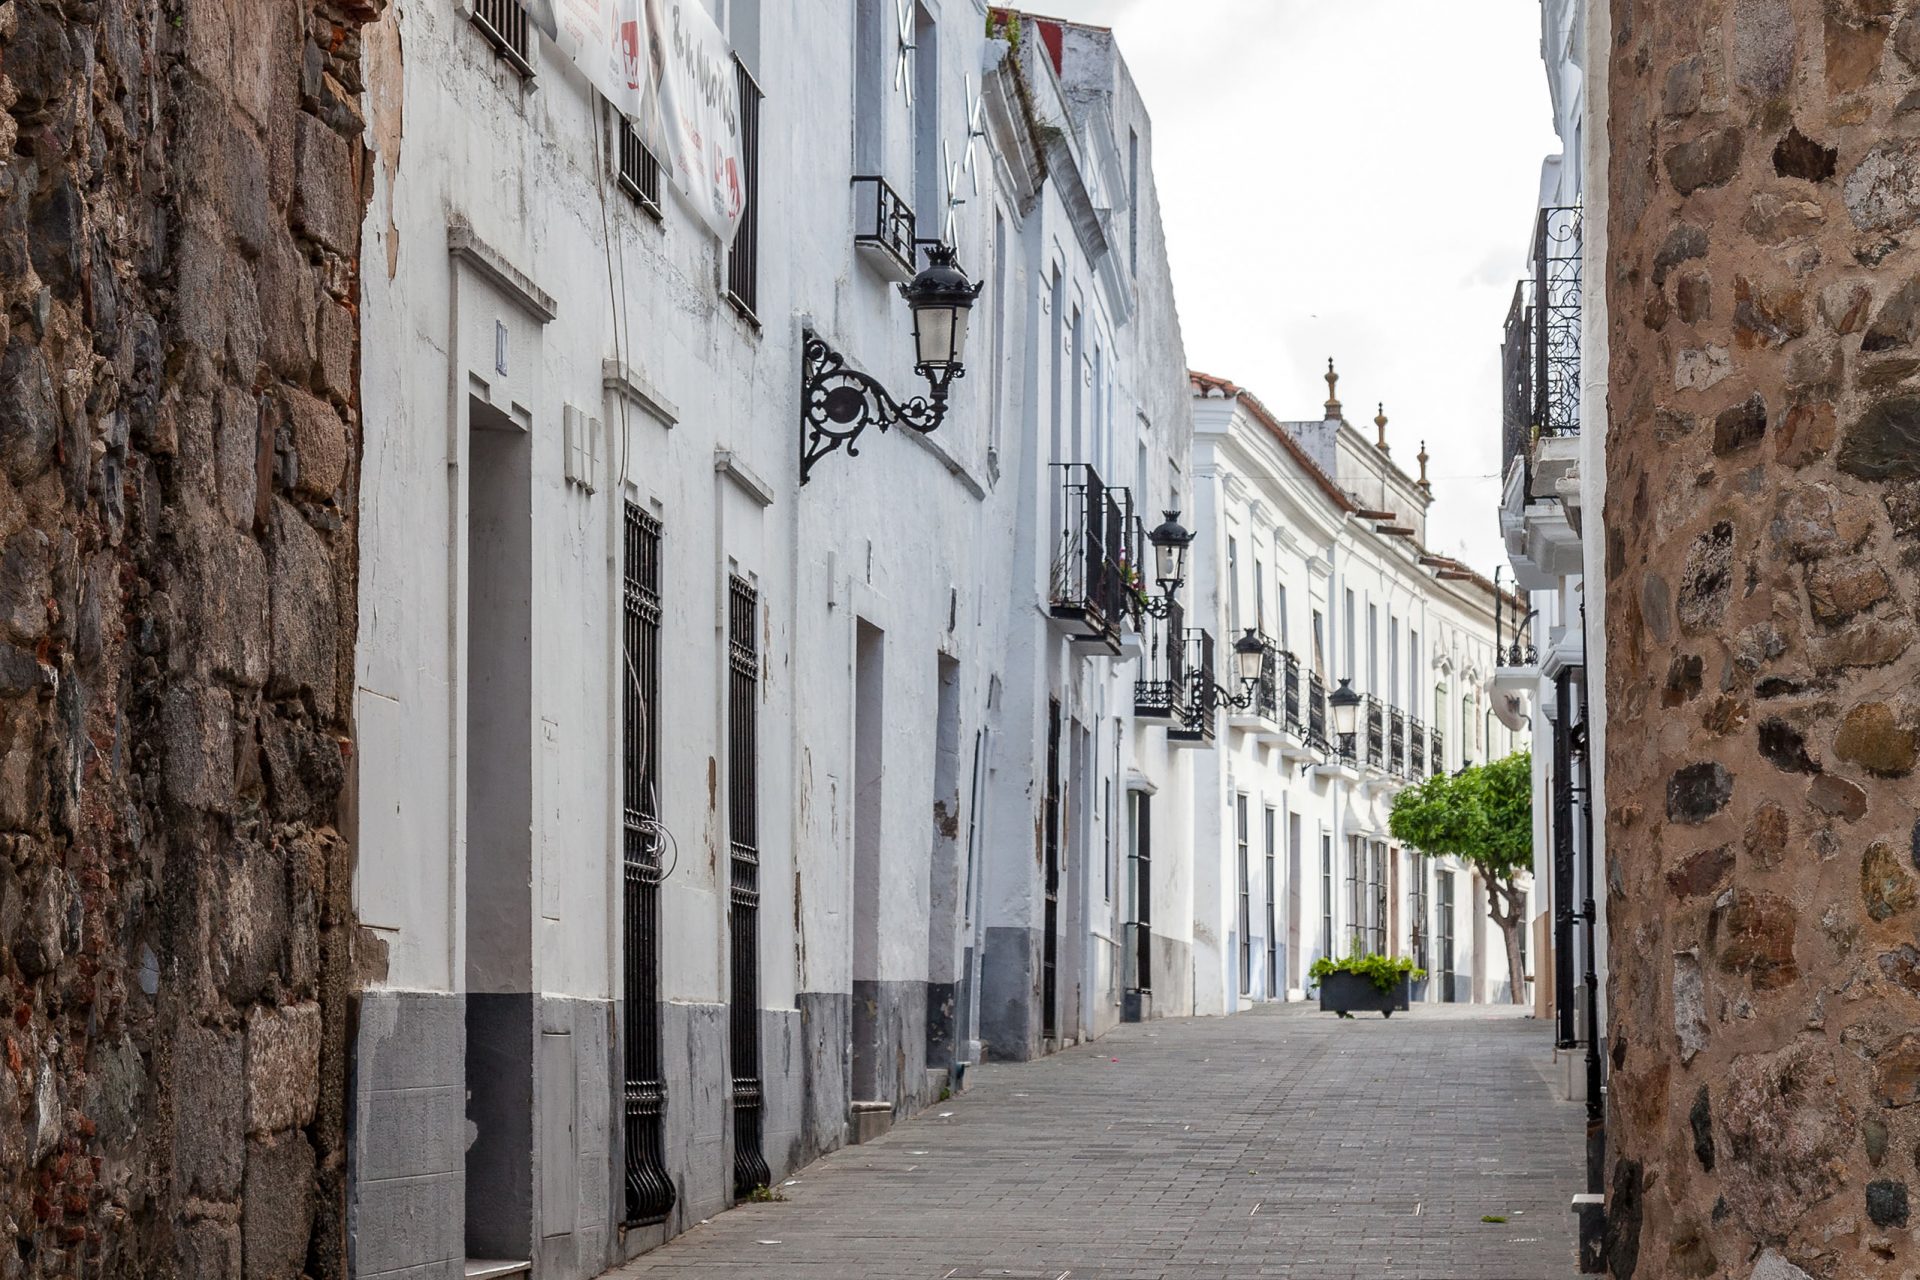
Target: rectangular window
1356, 894
1373, 649
1273, 939
1246, 895
1280, 608
649, 1188
1106, 834
1326, 894
873, 48
1133, 201
1259, 596
743, 258
504, 24
639, 167
929, 195
1233, 586
1417, 923
1350, 628
1413, 672
1140, 892
1319, 644
1393, 659
743, 900
997, 409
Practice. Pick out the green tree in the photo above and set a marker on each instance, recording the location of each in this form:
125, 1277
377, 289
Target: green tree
1482, 815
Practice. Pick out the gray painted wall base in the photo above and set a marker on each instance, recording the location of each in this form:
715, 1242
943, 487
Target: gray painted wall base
406, 1137
1010, 994
890, 1044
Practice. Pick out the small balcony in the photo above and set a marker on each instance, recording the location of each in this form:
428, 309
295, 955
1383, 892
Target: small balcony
1161, 692
1396, 742
1317, 713
1540, 407
1092, 589
1195, 726
883, 227
1263, 716
1416, 749
1436, 755
1376, 734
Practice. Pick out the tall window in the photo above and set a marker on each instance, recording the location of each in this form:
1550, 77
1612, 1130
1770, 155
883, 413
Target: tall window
1272, 834
1326, 894
1350, 646
1356, 893
1467, 717
1319, 644
1373, 649
1140, 890
1133, 201
873, 50
743, 258
998, 407
1233, 587
649, 1189
743, 909
1259, 595
1417, 923
929, 194
1413, 672
1393, 659
1280, 607
1246, 894
1367, 894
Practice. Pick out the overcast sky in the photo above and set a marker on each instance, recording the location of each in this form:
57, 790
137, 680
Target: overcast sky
1355, 179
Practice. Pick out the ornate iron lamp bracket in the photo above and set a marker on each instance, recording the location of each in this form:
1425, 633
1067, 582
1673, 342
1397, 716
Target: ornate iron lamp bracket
838, 403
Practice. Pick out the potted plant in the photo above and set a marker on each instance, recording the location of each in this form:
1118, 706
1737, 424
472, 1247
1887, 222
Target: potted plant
1364, 983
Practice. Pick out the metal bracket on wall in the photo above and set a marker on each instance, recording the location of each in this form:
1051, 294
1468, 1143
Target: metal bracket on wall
838, 403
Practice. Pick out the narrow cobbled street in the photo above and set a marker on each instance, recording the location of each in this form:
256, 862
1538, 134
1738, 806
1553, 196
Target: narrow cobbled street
1278, 1143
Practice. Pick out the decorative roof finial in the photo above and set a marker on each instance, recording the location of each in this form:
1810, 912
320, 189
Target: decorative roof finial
1422, 459
1380, 425
1333, 395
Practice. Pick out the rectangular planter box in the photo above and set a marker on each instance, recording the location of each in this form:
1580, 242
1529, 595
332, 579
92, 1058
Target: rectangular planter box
1351, 993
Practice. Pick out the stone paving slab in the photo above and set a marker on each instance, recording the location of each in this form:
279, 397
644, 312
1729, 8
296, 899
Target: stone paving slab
1279, 1143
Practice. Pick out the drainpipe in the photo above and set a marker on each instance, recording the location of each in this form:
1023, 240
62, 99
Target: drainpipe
1591, 1206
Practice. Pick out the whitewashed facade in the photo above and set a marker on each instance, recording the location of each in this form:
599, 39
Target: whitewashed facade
1313, 536
697, 812
1555, 436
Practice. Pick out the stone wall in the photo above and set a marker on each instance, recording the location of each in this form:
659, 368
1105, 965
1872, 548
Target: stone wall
180, 203
1763, 497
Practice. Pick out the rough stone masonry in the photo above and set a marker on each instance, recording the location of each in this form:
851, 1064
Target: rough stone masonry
180, 202
1763, 519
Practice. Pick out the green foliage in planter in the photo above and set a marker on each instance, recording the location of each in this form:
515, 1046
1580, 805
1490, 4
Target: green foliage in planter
1384, 972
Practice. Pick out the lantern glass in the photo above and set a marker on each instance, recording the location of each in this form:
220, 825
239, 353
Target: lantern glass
1170, 542
1251, 654
939, 332
1345, 704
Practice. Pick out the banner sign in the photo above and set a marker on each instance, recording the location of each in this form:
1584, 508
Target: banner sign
666, 67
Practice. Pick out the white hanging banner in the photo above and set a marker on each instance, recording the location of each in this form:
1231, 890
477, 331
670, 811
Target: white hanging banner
666, 67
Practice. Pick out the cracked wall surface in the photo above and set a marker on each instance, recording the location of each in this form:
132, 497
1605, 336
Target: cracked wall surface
180, 206
1763, 502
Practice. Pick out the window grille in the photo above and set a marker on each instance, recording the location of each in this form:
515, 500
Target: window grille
650, 1191
743, 915
639, 168
743, 259
1273, 937
504, 24
1142, 878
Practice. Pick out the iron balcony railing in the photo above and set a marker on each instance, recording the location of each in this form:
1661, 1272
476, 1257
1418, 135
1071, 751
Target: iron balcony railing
639, 169
1290, 700
1416, 749
1092, 579
1161, 694
1436, 755
1376, 733
1397, 741
743, 258
1540, 348
883, 221
1266, 690
1196, 721
1317, 711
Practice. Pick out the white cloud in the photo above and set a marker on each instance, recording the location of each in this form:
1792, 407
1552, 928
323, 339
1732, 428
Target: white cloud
1355, 179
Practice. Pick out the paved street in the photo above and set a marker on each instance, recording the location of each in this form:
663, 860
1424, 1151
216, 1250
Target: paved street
1280, 1143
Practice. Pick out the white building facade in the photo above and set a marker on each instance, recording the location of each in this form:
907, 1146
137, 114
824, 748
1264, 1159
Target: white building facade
1313, 539
703, 767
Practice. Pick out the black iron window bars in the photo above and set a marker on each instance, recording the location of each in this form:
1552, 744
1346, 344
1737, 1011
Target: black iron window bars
883, 221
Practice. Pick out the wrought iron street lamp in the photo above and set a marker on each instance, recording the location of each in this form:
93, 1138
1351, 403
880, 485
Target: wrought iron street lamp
1249, 663
1344, 703
1170, 542
838, 403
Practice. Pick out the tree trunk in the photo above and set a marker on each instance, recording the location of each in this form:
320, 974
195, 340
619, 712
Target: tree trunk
1510, 925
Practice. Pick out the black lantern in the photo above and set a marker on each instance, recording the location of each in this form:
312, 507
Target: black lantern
1345, 705
1250, 656
941, 297
1170, 542
838, 403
